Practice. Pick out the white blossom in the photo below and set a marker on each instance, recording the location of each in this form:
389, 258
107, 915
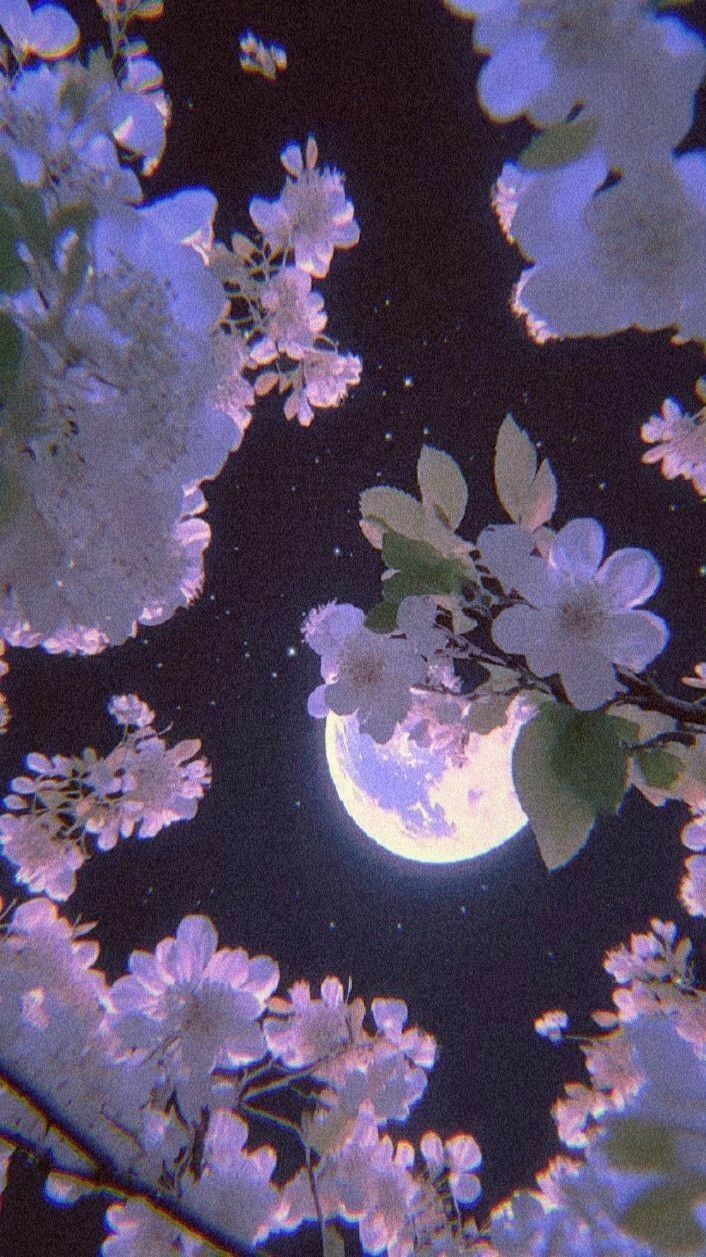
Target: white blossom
322, 379
189, 1007
578, 619
633, 74
136, 1230
631, 254
310, 216
371, 677
45, 859
551, 1025
46, 30
679, 443
294, 316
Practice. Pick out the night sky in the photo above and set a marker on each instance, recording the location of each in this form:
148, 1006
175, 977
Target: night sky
478, 949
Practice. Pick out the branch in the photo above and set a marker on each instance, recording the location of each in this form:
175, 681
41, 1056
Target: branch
108, 1179
649, 696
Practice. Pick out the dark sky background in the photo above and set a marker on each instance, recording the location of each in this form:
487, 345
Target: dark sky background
478, 949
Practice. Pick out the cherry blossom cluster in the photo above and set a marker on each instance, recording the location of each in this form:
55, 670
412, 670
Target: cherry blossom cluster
547, 595
70, 804
156, 1085
639, 1123
573, 635
277, 319
614, 222
126, 334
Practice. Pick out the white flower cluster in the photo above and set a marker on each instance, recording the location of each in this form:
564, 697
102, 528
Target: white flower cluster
163, 1073
569, 613
140, 787
648, 1080
276, 312
614, 223
123, 362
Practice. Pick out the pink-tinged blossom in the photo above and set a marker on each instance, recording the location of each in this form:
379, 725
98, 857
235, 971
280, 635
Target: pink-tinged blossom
137, 1230
579, 619
368, 1181
322, 380
129, 710
457, 1157
653, 957
307, 1030
679, 443
390, 1017
234, 1191
233, 393
698, 680
50, 996
692, 888
311, 214
326, 627
190, 1007
376, 1076
551, 1025
372, 679
294, 316
161, 785
44, 858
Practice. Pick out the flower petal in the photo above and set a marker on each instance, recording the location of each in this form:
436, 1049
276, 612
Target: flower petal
577, 549
589, 680
633, 639
628, 578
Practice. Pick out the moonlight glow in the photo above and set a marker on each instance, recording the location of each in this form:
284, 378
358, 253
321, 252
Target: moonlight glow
423, 802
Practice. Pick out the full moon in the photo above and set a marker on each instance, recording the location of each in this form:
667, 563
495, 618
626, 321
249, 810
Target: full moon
430, 803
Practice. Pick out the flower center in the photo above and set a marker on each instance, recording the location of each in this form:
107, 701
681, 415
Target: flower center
641, 232
364, 671
582, 613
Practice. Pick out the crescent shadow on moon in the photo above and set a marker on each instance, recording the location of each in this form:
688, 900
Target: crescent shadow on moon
421, 803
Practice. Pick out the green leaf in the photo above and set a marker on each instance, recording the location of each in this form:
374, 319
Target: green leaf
333, 1243
25, 209
75, 266
561, 821
559, 145
659, 767
663, 1218
382, 618
527, 494
633, 1144
383, 508
419, 569
11, 351
14, 275
25, 409
78, 217
589, 755
568, 766
11, 495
